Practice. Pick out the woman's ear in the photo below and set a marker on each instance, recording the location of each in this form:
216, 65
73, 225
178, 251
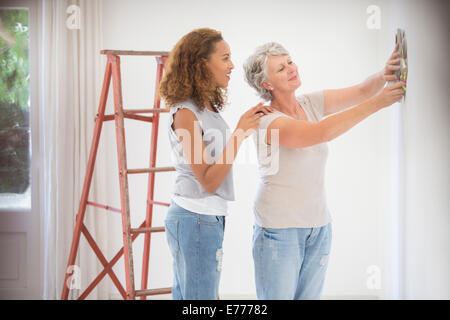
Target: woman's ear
266, 86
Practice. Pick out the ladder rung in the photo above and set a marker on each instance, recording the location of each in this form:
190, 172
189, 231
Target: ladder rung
160, 110
137, 117
135, 53
159, 203
98, 205
148, 170
151, 229
151, 292
109, 117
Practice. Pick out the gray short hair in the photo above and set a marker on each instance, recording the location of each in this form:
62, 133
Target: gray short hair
255, 66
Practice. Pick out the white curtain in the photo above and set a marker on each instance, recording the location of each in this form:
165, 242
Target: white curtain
71, 75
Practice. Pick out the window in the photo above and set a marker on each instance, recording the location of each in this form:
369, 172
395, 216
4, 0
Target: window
15, 135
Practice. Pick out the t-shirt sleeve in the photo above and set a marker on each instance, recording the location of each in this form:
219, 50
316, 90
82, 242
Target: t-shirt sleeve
264, 123
177, 107
316, 101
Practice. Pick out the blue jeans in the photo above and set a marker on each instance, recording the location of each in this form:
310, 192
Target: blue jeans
195, 241
290, 264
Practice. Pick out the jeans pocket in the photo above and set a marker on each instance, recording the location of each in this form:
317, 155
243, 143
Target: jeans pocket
208, 220
172, 235
274, 234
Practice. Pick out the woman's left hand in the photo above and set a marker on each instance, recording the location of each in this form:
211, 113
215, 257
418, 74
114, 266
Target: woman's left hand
392, 66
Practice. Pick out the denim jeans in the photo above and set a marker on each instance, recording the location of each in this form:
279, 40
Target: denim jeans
290, 264
195, 241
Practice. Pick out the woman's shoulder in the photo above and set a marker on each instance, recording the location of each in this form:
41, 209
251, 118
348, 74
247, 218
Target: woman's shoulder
266, 120
188, 104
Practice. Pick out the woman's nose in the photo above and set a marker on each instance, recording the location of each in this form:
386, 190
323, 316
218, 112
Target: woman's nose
292, 70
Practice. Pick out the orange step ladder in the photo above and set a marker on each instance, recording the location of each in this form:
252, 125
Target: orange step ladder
129, 233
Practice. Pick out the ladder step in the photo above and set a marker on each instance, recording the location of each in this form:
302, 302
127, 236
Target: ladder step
151, 292
149, 170
151, 229
132, 111
135, 53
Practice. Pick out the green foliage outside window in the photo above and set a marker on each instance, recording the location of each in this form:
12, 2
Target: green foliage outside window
14, 101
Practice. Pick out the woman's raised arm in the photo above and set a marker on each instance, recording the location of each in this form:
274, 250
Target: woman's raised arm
298, 134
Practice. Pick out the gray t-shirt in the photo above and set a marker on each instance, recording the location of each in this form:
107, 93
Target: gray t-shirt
215, 134
291, 192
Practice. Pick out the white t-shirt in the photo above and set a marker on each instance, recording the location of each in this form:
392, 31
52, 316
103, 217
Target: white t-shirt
212, 205
291, 192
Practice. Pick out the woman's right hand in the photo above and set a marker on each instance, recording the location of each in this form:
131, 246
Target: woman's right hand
249, 121
390, 94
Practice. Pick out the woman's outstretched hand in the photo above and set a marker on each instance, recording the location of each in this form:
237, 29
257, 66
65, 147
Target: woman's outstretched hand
392, 65
390, 94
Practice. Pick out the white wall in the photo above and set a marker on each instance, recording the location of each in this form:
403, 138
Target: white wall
426, 149
333, 48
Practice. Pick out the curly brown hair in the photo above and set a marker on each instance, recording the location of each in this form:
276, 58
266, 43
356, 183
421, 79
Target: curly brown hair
187, 75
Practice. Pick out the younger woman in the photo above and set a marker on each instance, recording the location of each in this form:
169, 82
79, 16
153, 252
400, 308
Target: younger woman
194, 88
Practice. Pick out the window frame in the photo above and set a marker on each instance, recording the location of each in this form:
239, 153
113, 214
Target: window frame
32, 7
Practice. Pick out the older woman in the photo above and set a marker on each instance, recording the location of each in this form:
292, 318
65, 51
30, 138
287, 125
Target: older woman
292, 233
